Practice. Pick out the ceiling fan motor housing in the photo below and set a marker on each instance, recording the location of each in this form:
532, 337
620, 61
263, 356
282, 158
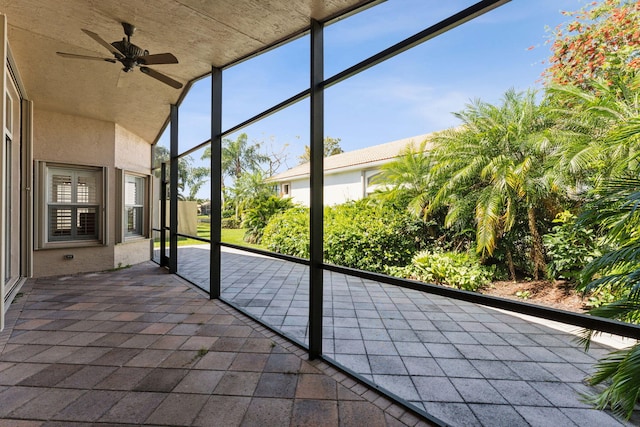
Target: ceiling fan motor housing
131, 53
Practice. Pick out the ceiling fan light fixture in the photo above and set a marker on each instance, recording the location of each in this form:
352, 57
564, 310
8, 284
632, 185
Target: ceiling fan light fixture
131, 56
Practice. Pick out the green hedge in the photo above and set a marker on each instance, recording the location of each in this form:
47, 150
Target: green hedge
357, 235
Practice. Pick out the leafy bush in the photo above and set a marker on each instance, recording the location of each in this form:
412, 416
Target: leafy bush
364, 236
288, 232
459, 270
257, 216
357, 235
230, 222
569, 247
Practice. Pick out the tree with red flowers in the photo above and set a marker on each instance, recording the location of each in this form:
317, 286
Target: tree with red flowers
600, 41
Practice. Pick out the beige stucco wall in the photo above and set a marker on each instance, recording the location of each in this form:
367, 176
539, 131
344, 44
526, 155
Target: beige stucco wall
83, 141
132, 154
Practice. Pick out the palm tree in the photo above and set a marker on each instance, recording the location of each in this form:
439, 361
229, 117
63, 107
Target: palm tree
503, 156
331, 147
238, 156
409, 175
601, 125
619, 271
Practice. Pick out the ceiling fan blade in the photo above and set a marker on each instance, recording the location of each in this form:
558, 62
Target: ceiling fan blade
107, 45
95, 58
158, 58
159, 76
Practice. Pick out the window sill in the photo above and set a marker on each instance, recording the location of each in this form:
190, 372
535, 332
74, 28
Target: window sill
134, 239
71, 244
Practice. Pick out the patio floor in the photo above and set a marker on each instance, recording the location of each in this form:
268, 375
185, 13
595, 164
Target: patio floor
463, 363
142, 347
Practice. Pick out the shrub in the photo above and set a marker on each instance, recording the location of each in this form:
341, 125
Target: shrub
258, 215
357, 235
569, 247
459, 270
366, 237
288, 232
230, 222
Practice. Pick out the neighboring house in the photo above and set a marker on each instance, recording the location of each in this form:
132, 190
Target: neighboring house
347, 176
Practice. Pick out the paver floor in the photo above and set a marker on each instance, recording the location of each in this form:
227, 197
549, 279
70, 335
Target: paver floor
142, 347
463, 363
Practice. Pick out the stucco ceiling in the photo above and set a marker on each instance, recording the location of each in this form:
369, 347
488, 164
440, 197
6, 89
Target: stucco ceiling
200, 33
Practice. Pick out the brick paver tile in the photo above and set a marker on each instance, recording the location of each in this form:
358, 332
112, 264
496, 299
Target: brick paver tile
134, 408
281, 385
315, 413
519, 393
178, 409
311, 386
216, 360
225, 410
498, 415
354, 413
237, 383
161, 380
51, 375
199, 381
253, 362
90, 406
149, 358
49, 403
268, 412
15, 397
124, 378
87, 377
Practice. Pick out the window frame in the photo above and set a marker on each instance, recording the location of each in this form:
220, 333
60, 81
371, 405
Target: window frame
286, 189
123, 234
43, 237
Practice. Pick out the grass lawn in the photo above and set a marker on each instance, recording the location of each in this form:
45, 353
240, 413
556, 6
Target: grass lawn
233, 236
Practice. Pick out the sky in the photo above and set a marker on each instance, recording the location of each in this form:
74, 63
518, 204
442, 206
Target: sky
411, 94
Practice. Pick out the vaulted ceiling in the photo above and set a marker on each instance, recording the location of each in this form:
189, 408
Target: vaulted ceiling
200, 33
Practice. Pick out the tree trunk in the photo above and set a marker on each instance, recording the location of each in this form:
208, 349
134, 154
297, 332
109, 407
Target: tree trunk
512, 268
537, 249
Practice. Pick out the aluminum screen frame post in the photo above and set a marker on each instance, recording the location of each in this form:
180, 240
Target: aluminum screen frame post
215, 216
173, 192
316, 220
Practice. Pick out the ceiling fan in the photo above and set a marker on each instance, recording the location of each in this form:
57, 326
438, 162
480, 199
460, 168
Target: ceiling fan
131, 56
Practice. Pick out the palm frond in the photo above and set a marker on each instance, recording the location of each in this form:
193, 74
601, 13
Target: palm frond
622, 368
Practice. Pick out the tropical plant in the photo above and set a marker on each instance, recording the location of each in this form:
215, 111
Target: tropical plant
503, 157
455, 269
255, 218
249, 187
190, 178
238, 156
617, 271
331, 148
410, 175
601, 126
569, 247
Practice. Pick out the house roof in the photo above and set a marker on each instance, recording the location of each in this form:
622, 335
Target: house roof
199, 33
358, 158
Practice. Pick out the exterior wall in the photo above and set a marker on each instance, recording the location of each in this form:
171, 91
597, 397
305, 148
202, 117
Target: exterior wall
132, 154
300, 192
83, 141
338, 187
342, 187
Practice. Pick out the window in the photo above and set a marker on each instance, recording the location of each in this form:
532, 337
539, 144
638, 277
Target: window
71, 204
286, 189
134, 194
